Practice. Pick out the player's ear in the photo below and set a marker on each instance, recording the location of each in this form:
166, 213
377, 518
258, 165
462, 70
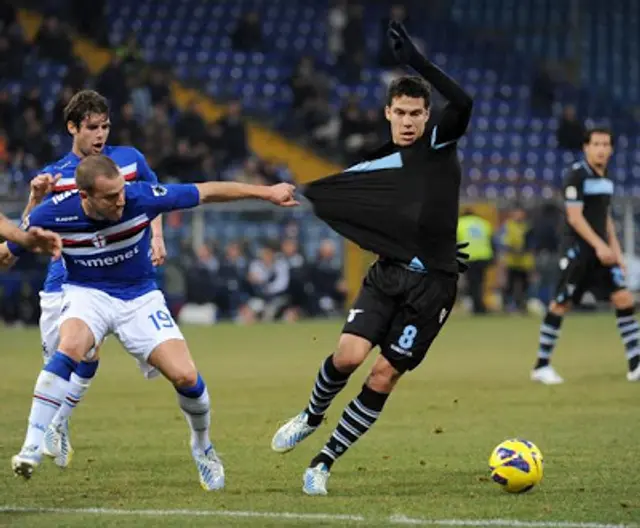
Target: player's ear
387, 112
72, 128
83, 194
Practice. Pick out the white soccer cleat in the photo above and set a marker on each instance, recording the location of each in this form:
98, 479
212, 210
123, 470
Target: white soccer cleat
546, 375
57, 444
292, 433
314, 480
210, 469
634, 375
25, 462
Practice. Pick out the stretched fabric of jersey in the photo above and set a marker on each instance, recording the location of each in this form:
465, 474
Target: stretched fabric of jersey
373, 209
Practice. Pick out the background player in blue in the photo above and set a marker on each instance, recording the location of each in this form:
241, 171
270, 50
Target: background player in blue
111, 288
592, 258
86, 117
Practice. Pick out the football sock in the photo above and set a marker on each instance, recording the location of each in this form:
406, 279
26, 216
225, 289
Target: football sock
329, 382
196, 406
549, 333
51, 387
79, 382
358, 417
630, 335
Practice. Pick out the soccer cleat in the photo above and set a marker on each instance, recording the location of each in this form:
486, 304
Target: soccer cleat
634, 375
25, 462
314, 481
546, 375
209, 468
57, 444
292, 433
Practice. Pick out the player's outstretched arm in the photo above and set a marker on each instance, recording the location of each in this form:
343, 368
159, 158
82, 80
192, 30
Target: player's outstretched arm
455, 118
282, 194
35, 239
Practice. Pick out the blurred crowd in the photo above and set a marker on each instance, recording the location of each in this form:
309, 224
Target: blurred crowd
354, 128
523, 253
271, 281
179, 146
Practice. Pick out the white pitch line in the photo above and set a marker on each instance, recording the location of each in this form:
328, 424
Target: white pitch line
330, 517
401, 519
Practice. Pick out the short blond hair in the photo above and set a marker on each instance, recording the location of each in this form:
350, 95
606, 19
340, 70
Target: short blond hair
93, 166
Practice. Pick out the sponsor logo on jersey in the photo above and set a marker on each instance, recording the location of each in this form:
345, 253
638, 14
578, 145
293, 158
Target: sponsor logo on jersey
103, 262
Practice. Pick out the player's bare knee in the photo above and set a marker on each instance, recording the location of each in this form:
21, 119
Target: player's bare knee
383, 376
352, 351
76, 339
623, 299
73, 348
185, 377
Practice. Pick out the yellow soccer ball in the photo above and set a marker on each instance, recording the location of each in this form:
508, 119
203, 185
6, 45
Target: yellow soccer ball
511, 447
516, 465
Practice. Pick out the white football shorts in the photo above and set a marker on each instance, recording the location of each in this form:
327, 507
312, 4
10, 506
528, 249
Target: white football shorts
140, 324
50, 307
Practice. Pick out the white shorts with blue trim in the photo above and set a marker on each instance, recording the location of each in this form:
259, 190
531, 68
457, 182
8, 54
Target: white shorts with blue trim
140, 324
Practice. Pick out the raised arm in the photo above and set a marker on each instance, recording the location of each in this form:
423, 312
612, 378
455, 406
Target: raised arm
39, 187
455, 117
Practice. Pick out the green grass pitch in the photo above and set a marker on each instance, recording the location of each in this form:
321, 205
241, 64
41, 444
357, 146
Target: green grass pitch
425, 459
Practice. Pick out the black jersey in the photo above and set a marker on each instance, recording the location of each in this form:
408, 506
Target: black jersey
582, 186
402, 202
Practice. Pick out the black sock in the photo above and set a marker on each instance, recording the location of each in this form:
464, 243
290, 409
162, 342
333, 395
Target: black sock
329, 382
358, 417
630, 335
549, 333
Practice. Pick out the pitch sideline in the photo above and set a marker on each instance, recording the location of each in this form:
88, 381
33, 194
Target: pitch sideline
393, 519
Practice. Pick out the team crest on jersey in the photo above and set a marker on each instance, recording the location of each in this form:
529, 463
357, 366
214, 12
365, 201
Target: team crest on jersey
159, 190
99, 241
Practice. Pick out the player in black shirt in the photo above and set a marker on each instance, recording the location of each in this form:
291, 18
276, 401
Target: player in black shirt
402, 204
592, 259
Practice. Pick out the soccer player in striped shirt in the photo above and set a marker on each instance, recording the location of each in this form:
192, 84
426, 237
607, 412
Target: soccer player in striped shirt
86, 117
110, 288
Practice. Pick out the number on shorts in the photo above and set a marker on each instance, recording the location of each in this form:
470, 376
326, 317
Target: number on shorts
408, 337
161, 319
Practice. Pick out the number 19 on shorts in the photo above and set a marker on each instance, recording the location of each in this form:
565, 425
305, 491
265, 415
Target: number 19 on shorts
161, 319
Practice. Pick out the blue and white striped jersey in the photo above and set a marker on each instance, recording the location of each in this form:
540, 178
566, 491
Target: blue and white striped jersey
113, 257
133, 166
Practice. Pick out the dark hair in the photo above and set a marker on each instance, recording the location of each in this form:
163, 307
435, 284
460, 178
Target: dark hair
411, 86
83, 104
597, 130
93, 166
